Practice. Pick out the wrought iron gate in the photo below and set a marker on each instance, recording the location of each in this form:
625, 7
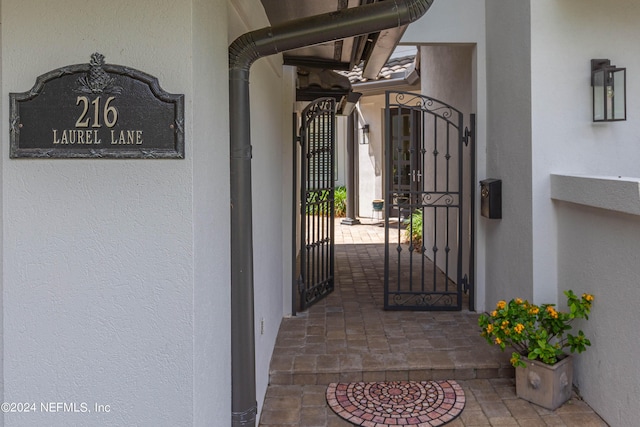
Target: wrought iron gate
428, 177
317, 164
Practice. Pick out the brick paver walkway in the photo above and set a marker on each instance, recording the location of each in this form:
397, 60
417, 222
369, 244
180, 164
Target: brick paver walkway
348, 337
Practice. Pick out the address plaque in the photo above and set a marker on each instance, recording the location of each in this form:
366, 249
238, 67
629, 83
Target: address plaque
96, 110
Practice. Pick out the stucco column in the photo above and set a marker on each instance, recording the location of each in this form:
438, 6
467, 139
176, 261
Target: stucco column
351, 165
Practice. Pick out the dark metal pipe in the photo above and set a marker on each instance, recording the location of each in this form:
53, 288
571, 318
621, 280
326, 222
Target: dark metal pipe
243, 52
244, 406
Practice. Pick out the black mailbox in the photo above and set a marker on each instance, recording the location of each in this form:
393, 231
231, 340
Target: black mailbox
491, 198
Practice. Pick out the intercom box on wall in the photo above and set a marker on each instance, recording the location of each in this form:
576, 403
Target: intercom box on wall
491, 198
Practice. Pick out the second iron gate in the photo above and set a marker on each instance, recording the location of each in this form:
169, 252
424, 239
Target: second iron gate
428, 221
316, 236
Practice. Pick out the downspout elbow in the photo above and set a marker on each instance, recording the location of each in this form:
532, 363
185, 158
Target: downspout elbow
243, 53
415, 9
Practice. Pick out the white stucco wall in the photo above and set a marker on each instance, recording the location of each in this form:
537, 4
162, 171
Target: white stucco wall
268, 143
370, 155
211, 295
116, 272
341, 151
450, 21
598, 253
569, 34
447, 76
509, 240
288, 216
597, 249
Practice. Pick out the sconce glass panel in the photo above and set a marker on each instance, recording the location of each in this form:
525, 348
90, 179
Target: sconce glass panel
599, 107
609, 91
619, 106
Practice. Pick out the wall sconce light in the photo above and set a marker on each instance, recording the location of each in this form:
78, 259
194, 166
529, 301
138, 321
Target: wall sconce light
609, 91
365, 135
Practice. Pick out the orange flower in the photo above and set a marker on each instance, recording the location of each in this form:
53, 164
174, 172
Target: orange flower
501, 305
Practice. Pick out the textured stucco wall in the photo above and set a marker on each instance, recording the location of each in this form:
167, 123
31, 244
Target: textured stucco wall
116, 271
597, 249
599, 254
447, 76
289, 218
566, 35
268, 140
371, 155
509, 240
210, 158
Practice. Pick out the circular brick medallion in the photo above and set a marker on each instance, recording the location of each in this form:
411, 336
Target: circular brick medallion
393, 403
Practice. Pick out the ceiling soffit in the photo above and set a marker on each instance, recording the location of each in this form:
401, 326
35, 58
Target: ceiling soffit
372, 49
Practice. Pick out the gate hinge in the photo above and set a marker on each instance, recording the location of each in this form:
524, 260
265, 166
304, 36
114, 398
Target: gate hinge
300, 284
466, 138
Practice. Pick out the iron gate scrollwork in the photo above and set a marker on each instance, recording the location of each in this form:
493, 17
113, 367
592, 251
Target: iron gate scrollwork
427, 187
317, 139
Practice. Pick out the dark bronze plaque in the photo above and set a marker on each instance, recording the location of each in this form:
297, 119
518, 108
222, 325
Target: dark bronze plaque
97, 110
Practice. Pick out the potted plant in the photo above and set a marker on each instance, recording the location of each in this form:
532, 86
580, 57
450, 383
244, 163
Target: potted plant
540, 337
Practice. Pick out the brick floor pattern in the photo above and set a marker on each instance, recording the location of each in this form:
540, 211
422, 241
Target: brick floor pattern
347, 337
488, 402
393, 403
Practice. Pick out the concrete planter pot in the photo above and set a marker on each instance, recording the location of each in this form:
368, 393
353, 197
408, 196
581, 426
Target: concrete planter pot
545, 385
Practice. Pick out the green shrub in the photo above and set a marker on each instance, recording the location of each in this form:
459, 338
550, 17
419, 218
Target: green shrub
413, 232
318, 202
340, 200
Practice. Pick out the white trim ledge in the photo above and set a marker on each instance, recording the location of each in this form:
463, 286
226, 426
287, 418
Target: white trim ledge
620, 194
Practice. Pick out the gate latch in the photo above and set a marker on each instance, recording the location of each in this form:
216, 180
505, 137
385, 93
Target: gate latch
465, 284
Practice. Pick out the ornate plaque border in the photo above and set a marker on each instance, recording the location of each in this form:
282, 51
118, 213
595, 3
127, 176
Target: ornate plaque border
177, 151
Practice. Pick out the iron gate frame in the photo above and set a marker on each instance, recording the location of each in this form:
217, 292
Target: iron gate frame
422, 299
317, 140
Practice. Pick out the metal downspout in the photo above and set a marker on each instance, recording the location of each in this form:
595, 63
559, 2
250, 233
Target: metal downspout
243, 52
